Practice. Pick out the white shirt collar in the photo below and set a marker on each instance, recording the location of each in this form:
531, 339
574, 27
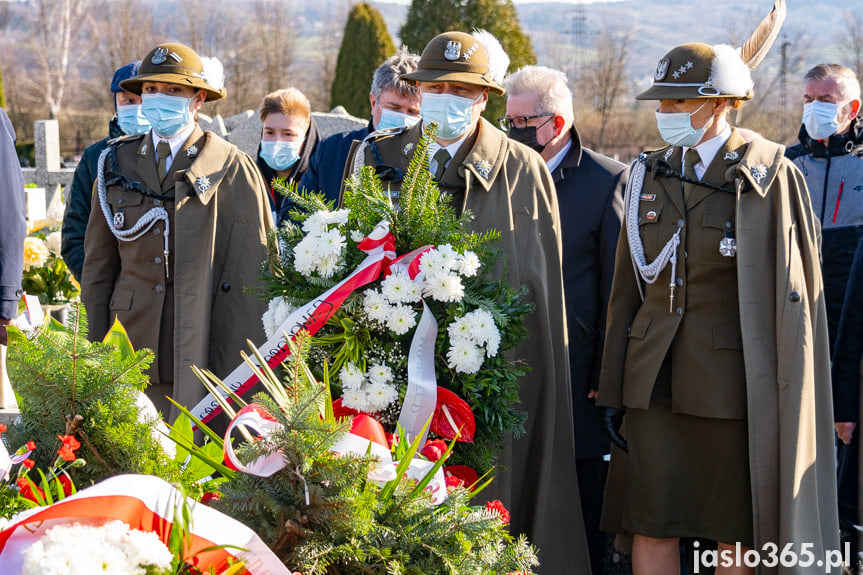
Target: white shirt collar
176, 141
707, 150
555, 160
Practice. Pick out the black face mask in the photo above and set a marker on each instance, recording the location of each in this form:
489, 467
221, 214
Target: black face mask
526, 136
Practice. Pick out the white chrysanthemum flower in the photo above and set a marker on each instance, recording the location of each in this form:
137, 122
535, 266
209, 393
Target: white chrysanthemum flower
449, 257
380, 374
54, 242
327, 266
355, 399
401, 319
314, 224
459, 329
464, 357
351, 376
399, 288
380, 396
357, 236
492, 344
333, 242
446, 288
305, 255
432, 265
35, 253
376, 306
145, 548
481, 324
278, 310
468, 264
338, 217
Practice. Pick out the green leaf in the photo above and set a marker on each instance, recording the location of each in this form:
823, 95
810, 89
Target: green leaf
119, 339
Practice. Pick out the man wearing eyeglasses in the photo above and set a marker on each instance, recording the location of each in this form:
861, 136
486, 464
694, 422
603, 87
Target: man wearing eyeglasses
507, 187
590, 197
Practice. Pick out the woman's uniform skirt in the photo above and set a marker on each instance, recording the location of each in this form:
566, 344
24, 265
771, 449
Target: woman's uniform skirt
684, 476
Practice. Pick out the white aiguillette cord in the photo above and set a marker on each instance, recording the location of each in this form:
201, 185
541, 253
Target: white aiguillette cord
649, 272
144, 223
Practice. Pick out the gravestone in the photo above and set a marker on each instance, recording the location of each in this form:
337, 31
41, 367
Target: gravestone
48, 174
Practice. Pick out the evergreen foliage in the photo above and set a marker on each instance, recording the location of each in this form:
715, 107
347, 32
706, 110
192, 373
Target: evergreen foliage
66, 385
365, 45
428, 18
321, 515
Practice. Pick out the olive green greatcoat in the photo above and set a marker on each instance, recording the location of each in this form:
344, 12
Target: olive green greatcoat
218, 223
516, 196
783, 336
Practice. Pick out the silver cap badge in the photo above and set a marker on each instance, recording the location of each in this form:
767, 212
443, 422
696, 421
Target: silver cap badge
159, 56
453, 49
661, 69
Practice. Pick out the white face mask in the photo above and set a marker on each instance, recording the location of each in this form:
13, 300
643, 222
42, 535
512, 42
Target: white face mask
821, 119
453, 114
676, 127
393, 119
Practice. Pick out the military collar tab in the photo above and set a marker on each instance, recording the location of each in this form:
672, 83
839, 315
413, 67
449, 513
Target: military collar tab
760, 165
485, 160
124, 138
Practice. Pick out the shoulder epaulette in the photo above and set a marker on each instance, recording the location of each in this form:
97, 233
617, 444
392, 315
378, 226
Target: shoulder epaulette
126, 138
385, 132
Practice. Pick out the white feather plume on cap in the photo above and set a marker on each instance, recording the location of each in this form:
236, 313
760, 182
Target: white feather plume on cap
728, 72
498, 61
212, 72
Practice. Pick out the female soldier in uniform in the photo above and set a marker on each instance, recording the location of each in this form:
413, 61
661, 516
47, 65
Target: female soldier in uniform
716, 344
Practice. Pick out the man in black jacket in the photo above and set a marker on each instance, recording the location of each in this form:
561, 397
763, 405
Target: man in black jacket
128, 119
590, 195
394, 102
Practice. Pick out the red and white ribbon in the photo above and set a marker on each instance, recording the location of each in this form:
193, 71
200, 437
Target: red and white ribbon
255, 417
380, 247
145, 503
367, 436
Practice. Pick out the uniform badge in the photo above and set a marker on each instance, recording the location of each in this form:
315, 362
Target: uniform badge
668, 153
453, 49
661, 69
645, 197
119, 220
192, 151
650, 216
728, 246
159, 56
483, 167
682, 70
407, 149
469, 52
759, 172
175, 57
732, 155
202, 183
143, 150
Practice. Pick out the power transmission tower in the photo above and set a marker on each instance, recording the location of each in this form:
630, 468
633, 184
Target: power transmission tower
579, 35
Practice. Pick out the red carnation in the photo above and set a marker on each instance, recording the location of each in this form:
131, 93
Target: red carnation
66, 483
28, 463
31, 445
434, 449
498, 507
67, 450
2, 428
210, 496
27, 492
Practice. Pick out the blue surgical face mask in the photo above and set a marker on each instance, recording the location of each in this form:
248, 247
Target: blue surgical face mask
676, 128
132, 120
280, 155
821, 119
167, 114
393, 119
453, 114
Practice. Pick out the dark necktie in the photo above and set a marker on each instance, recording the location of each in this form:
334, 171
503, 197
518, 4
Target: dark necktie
163, 151
690, 160
441, 157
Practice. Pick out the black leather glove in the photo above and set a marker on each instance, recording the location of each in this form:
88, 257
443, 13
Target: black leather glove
612, 419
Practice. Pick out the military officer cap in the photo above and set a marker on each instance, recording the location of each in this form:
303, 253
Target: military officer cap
699, 71
178, 64
456, 57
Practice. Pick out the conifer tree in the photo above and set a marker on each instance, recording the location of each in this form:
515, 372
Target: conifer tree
365, 45
428, 18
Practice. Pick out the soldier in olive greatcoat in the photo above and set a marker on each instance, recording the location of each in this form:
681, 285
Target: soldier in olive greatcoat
716, 341
177, 230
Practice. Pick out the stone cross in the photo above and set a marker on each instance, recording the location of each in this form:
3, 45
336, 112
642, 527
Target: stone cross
48, 174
